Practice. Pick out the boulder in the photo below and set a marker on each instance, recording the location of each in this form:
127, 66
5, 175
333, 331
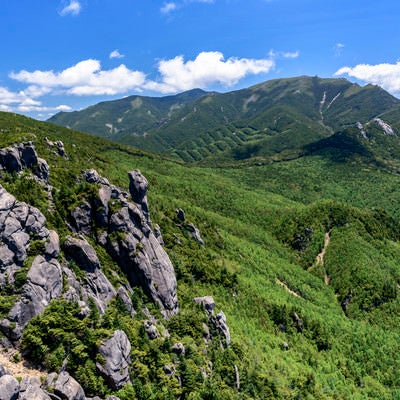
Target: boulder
207, 302
180, 214
52, 246
82, 218
116, 354
220, 323
82, 253
30, 389
28, 154
9, 388
151, 330
10, 160
195, 234
67, 388
178, 348
42, 170
44, 283
217, 321
138, 189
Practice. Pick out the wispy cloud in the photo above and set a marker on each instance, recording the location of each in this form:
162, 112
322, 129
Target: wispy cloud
168, 7
116, 54
338, 49
385, 75
171, 6
283, 54
72, 7
88, 78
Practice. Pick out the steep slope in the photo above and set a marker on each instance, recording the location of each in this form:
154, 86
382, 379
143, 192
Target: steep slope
276, 116
283, 333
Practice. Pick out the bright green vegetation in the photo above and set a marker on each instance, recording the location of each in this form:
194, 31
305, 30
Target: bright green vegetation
293, 334
269, 121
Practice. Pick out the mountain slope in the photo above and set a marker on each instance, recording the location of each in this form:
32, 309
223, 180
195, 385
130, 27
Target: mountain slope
300, 327
276, 116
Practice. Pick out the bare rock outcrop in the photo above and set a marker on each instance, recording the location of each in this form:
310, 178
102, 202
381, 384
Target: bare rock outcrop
22, 229
116, 354
19, 156
95, 284
130, 239
66, 387
217, 321
9, 388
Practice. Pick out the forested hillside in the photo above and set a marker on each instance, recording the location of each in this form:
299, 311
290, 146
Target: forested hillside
300, 256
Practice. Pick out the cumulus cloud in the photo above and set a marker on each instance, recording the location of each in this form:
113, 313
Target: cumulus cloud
85, 78
207, 69
385, 75
73, 7
116, 54
23, 102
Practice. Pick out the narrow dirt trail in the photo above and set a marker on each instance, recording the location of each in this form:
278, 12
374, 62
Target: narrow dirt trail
283, 284
321, 255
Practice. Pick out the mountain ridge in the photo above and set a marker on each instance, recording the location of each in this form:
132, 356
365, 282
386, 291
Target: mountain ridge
276, 113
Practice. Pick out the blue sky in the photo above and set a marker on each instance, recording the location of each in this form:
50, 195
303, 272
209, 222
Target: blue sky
68, 54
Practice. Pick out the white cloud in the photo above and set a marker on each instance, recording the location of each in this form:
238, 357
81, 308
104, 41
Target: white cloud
385, 75
283, 54
22, 102
72, 8
85, 78
168, 7
207, 69
116, 54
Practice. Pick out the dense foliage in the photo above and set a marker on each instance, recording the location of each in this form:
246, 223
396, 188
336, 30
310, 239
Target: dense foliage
295, 333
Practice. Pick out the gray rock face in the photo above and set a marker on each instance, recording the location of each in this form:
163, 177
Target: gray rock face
138, 189
17, 157
82, 253
116, 353
95, 285
151, 330
44, 283
10, 160
82, 218
9, 388
218, 321
30, 389
123, 295
195, 234
130, 239
68, 388
21, 226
